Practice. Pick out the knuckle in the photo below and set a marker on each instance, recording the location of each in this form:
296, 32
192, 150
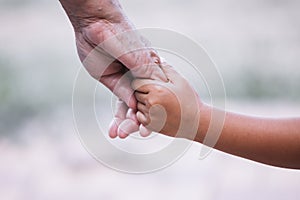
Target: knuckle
146, 121
151, 101
143, 119
141, 107
159, 89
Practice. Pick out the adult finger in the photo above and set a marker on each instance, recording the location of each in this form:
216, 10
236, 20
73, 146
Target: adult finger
120, 115
129, 125
144, 132
114, 126
149, 71
120, 85
171, 73
124, 122
132, 50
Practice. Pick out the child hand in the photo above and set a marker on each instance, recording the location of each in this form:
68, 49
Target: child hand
171, 108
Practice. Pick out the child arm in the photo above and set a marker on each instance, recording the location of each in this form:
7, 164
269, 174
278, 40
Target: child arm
270, 141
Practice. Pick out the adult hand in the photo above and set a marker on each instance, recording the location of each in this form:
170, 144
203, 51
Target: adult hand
101, 43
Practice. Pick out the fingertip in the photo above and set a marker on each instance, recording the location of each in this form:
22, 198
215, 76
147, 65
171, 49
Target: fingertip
113, 129
144, 132
140, 117
173, 76
127, 127
123, 135
162, 60
159, 75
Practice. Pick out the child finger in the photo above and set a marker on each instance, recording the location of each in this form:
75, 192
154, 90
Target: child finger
142, 108
141, 97
143, 118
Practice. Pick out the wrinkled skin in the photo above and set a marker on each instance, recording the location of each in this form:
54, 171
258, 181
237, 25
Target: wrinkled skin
96, 21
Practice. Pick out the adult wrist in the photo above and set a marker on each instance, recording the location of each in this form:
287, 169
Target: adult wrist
82, 13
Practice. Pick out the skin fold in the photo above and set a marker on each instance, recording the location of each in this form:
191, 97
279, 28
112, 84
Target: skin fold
97, 21
270, 141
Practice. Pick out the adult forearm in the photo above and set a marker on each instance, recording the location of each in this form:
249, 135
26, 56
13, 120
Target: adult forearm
270, 141
84, 12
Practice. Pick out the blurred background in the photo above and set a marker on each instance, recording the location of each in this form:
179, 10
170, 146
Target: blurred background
255, 44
